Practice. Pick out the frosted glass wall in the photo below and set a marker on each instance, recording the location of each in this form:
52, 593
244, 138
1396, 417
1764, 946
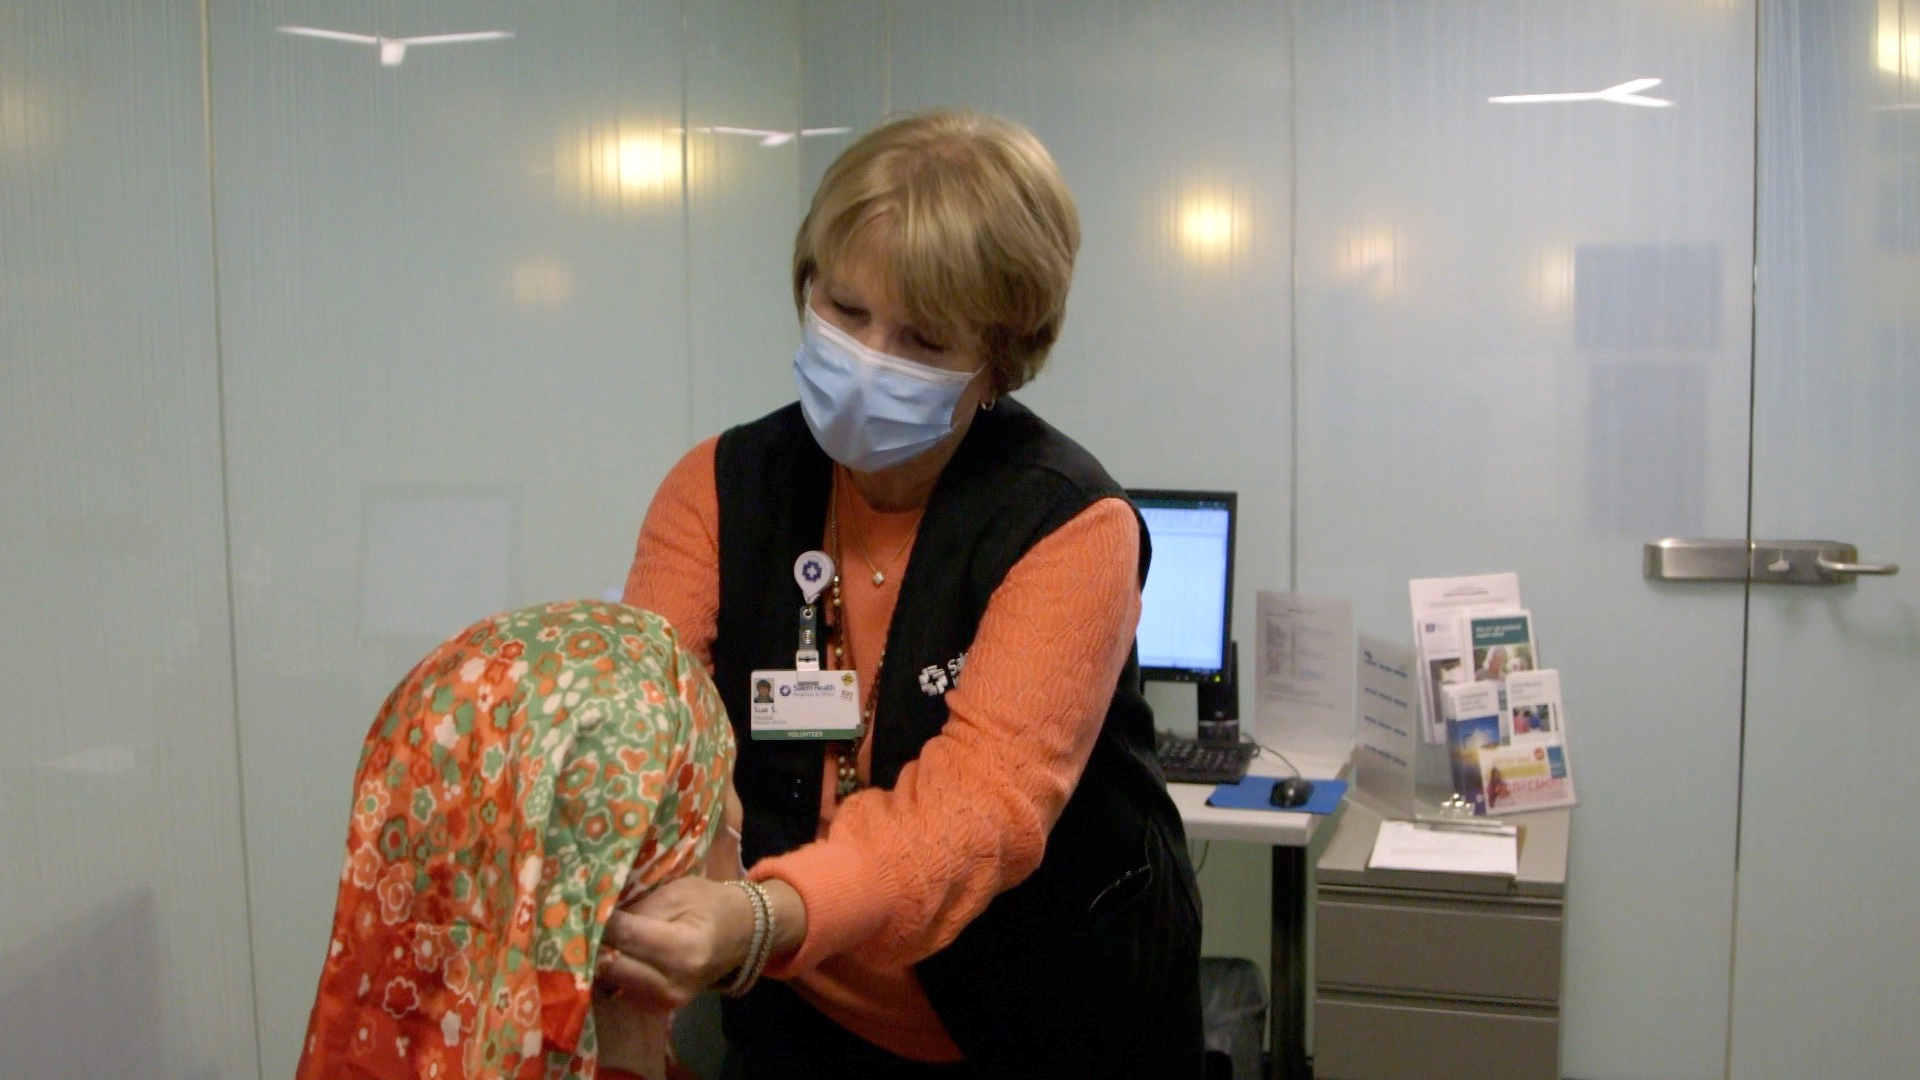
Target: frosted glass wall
123, 914
464, 337
312, 353
743, 204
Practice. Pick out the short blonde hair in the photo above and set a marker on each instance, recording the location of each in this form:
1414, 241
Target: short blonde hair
979, 228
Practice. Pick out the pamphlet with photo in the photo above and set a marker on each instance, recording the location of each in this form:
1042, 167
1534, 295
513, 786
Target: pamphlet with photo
1502, 645
1440, 607
1472, 713
1525, 776
1533, 707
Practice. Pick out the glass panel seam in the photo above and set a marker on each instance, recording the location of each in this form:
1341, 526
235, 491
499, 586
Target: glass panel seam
1746, 589
686, 227
226, 528
1293, 295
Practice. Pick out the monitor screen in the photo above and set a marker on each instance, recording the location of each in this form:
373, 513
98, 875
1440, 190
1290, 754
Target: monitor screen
1187, 606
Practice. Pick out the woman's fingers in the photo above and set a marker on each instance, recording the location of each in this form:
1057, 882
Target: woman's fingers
641, 984
655, 941
678, 941
691, 927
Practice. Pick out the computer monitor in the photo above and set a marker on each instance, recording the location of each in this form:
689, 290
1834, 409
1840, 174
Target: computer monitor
1186, 610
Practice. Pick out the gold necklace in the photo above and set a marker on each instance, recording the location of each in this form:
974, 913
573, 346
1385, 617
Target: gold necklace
853, 526
846, 766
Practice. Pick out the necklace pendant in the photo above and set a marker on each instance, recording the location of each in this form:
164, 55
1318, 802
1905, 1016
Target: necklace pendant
879, 578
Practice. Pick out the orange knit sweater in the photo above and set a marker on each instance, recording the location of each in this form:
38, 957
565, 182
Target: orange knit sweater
895, 875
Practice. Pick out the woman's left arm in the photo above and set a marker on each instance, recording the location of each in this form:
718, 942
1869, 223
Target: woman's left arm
902, 871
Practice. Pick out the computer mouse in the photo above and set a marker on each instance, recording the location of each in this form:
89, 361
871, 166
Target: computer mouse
1291, 792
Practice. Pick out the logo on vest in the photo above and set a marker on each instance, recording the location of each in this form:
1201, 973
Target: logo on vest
937, 679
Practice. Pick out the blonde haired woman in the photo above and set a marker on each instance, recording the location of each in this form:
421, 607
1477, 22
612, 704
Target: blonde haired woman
988, 879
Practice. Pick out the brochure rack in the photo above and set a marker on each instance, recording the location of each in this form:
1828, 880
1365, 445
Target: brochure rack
1487, 699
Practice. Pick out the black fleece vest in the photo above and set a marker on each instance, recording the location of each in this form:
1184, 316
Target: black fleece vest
1090, 966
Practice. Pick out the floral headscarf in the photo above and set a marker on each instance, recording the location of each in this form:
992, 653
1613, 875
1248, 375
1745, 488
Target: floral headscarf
529, 774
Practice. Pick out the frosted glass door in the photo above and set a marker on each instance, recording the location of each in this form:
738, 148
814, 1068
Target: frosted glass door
1523, 344
1827, 950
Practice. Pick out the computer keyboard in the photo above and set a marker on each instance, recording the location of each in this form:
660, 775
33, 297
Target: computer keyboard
1190, 761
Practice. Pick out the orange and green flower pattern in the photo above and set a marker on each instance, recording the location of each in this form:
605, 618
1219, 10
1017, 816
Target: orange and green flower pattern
531, 773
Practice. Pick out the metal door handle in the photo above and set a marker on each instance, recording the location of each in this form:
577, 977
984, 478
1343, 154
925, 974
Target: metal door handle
1884, 569
1775, 562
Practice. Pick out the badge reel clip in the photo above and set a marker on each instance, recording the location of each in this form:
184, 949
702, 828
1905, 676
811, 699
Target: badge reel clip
805, 702
812, 572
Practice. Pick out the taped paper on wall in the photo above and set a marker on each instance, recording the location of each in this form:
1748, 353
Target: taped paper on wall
1303, 688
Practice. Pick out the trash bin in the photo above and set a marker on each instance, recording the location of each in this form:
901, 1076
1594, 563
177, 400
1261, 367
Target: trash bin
1233, 1004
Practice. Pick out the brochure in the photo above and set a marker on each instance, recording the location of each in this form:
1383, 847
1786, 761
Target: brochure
1502, 645
1530, 772
1440, 633
1533, 707
1472, 713
1525, 776
1445, 660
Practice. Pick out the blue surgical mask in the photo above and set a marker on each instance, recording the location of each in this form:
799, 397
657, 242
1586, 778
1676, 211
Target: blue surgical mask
867, 409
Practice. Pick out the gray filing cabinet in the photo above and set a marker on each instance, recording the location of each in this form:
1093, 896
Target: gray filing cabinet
1426, 976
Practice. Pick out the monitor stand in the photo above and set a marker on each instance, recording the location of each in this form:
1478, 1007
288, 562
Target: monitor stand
1218, 708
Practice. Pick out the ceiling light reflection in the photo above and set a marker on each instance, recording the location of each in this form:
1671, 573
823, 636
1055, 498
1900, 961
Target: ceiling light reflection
1626, 93
392, 51
1370, 256
620, 166
24, 119
1553, 279
542, 284
1897, 41
770, 136
1208, 227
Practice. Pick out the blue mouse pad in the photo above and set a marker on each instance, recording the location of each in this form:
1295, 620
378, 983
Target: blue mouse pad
1252, 793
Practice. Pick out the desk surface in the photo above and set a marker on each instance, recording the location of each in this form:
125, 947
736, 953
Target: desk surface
1543, 858
1275, 828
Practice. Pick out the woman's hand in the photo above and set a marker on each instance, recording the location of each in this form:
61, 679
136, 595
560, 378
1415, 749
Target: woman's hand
680, 939
689, 934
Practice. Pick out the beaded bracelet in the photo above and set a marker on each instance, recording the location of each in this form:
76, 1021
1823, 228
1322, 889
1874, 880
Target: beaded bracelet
759, 946
765, 952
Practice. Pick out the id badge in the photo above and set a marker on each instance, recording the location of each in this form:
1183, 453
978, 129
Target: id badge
804, 705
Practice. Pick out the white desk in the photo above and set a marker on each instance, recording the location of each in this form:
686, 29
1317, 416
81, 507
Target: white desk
1288, 835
